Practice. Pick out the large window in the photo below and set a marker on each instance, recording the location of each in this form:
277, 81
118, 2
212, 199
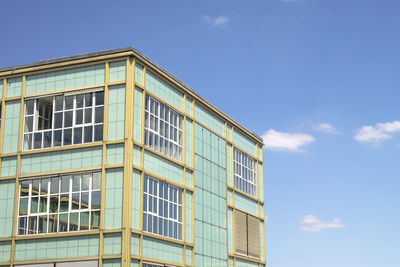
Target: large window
162, 208
163, 128
59, 204
244, 173
63, 120
247, 232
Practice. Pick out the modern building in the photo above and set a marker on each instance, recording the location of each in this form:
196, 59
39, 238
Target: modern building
109, 160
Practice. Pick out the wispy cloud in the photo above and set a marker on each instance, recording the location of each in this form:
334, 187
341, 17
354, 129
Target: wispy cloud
218, 21
378, 132
326, 128
275, 140
311, 223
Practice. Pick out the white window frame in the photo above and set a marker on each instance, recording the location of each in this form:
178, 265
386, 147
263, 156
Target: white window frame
169, 139
152, 206
244, 172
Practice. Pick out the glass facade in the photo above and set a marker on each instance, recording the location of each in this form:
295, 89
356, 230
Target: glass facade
110, 161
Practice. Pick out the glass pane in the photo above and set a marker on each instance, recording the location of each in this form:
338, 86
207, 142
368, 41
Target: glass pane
37, 142
32, 225
85, 181
57, 138
99, 115
29, 106
58, 117
88, 115
95, 220
28, 126
96, 197
35, 187
68, 119
22, 226
43, 204
79, 116
96, 180
47, 139
23, 206
64, 202
69, 102
88, 100
85, 200
67, 137
42, 224
52, 223
99, 98
79, 101
54, 186
76, 183
75, 201
27, 141
59, 103
98, 132
65, 183
25, 188
63, 222
78, 135
88, 134
73, 221
34, 204
53, 203
84, 221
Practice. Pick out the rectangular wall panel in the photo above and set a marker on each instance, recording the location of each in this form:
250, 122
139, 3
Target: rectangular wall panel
7, 192
116, 112
11, 126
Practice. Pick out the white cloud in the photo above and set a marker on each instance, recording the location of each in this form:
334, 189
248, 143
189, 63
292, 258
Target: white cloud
377, 133
326, 128
311, 223
218, 21
275, 140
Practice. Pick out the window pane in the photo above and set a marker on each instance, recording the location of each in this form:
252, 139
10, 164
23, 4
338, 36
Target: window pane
78, 135
69, 102
23, 206
88, 134
95, 219
57, 138
64, 202
84, 220
65, 184
58, 118
96, 198
29, 106
99, 115
68, 119
28, 127
63, 222
52, 223
88, 115
99, 98
96, 180
98, 132
79, 101
54, 203
27, 141
42, 224
47, 139
67, 136
59, 103
73, 221
88, 100
37, 142
54, 185
85, 181
79, 116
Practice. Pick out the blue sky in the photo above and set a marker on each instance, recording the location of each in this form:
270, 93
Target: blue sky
319, 80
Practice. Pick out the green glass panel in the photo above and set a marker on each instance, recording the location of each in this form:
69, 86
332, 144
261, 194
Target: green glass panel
5, 251
244, 143
7, 191
134, 263
189, 256
116, 112
229, 164
260, 181
230, 231
163, 167
112, 244
115, 154
114, 195
65, 79
9, 166
188, 177
11, 126
137, 155
14, 87
1, 88
188, 203
117, 71
189, 109
139, 74
245, 203
164, 90
62, 160
209, 120
162, 250
188, 142
135, 244
137, 115
136, 185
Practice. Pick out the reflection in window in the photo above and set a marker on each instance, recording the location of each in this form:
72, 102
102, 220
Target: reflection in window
59, 204
162, 208
63, 120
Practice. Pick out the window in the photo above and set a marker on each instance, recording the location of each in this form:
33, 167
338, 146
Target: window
156, 265
244, 173
162, 208
59, 204
163, 128
91, 263
248, 232
63, 120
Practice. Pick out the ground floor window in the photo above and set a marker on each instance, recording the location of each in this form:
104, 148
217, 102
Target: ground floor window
60, 203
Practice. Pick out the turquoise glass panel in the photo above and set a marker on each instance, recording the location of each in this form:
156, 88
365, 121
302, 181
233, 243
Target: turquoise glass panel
189, 108
9, 166
260, 181
188, 177
135, 241
137, 115
162, 250
117, 71
11, 126
231, 262
163, 167
57, 248
164, 90
139, 74
209, 120
114, 196
188, 153
115, 154
116, 112
7, 192
5, 251
137, 155
112, 263
244, 203
260, 153
230, 201
1, 88
244, 263
135, 263
136, 185
188, 217
244, 143
62, 160
14, 87
65, 79
210, 227
229, 165
112, 244
189, 256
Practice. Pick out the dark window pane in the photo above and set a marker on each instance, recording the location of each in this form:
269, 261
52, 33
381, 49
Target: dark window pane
88, 100
22, 226
54, 203
67, 136
23, 206
59, 103
58, 117
85, 200
88, 134
88, 115
65, 184
28, 127
98, 133
35, 187
68, 119
99, 115
73, 221
95, 219
25, 188
75, 201
64, 201
44, 186
78, 135
32, 225
54, 186
96, 197
63, 222
42, 224
84, 221
79, 101
29, 106
37, 142
52, 223
79, 116
99, 98
47, 139
69, 102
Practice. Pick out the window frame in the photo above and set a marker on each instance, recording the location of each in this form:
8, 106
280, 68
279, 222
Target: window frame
32, 130
244, 172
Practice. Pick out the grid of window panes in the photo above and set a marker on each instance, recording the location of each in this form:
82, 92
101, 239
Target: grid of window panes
244, 173
63, 120
59, 204
162, 208
163, 128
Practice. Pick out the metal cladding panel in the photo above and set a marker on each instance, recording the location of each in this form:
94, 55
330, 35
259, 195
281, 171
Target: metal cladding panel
240, 232
253, 235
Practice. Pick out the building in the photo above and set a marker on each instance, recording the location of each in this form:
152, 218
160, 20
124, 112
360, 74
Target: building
109, 160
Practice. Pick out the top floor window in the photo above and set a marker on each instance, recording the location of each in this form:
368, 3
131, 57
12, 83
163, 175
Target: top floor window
62, 120
163, 128
244, 168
